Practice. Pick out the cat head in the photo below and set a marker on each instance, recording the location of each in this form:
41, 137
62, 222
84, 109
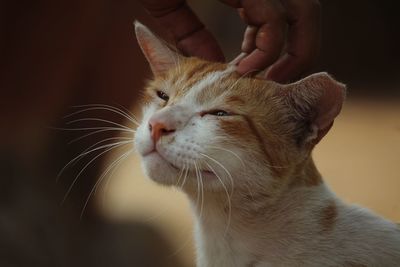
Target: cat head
202, 122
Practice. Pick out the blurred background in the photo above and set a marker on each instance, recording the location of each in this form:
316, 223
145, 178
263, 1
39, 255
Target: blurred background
57, 55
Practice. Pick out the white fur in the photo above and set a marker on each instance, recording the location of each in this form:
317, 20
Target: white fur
208, 80
291, 235
287, 232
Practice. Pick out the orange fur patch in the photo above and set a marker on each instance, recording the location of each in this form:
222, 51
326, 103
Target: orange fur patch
352, 264
328, 217
265, 127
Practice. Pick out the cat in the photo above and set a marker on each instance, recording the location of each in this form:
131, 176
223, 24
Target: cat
240, 148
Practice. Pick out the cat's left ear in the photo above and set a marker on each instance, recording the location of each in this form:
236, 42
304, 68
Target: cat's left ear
160, 57
316, 101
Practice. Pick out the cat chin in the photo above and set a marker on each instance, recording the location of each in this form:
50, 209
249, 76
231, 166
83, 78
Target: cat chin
159, 170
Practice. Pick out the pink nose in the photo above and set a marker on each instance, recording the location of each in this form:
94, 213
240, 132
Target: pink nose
159, 129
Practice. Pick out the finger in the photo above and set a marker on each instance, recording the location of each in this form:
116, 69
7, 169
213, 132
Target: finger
303, 41
232, 3
201, 44
264, 39
237, 59
249, 39
259, 12
268, 42
191, 37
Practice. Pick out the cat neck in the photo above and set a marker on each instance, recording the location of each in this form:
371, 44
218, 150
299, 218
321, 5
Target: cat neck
230, 233
254, 205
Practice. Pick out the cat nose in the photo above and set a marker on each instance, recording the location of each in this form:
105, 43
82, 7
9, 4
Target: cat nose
158, 129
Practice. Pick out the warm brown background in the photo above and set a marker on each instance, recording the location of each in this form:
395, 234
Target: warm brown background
56, 54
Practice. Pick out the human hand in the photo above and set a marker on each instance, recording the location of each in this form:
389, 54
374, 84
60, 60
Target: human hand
190, 35
275, 26
291, 27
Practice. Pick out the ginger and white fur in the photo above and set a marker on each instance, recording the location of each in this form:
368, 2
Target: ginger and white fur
257, 198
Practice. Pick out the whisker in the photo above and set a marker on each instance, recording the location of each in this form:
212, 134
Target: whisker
227, 196
241, 77
223, 167
200, 183
180, 176
153, 217
109, 168
186, 167
127, 115
202, 192
273, 166
108, 139
84, 153
115, 163
233, 153
185, 177
100, 131
101, 120
83, 169
126, 111
198, 188
102, 107
91, 128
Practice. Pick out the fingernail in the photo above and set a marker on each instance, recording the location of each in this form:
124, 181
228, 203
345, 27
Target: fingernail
237, 59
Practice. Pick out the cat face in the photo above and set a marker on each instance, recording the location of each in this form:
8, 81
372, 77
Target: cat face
203, 123
198, 122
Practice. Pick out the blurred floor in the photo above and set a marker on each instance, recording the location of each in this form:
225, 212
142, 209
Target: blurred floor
359, 158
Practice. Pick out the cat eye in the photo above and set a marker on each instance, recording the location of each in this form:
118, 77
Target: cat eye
162, 95
218, 113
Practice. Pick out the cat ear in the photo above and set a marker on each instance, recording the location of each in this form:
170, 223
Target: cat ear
316, 101
160, 57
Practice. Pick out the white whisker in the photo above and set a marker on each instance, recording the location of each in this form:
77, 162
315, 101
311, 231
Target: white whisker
201, 186
227, 196
83, 169
101, 120
115, 163
92, 128
126, 111
185, 177
86, 152
108, 139
180, 176
103, 107
223, 167
100, 131
233, 153
241, 77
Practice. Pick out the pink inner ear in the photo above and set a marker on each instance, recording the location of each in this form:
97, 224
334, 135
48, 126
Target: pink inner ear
330, 102
160, 57
324, 96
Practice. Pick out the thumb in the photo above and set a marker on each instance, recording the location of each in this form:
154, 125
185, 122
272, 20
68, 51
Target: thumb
189, 33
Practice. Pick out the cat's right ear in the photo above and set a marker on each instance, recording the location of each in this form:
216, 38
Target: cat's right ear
315, 101
160, 57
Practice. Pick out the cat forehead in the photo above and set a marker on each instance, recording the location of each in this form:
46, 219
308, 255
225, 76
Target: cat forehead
200, 81
196, 80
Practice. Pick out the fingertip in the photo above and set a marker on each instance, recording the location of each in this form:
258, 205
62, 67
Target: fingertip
237, 59
257, 60
203, 45
286, 69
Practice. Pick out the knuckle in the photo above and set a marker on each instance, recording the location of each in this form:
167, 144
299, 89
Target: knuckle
278, 15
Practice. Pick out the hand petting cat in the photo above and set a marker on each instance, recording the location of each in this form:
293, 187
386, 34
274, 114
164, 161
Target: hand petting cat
282, 35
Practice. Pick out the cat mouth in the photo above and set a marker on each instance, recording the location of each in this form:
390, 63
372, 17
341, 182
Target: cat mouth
203, 173
155, 152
